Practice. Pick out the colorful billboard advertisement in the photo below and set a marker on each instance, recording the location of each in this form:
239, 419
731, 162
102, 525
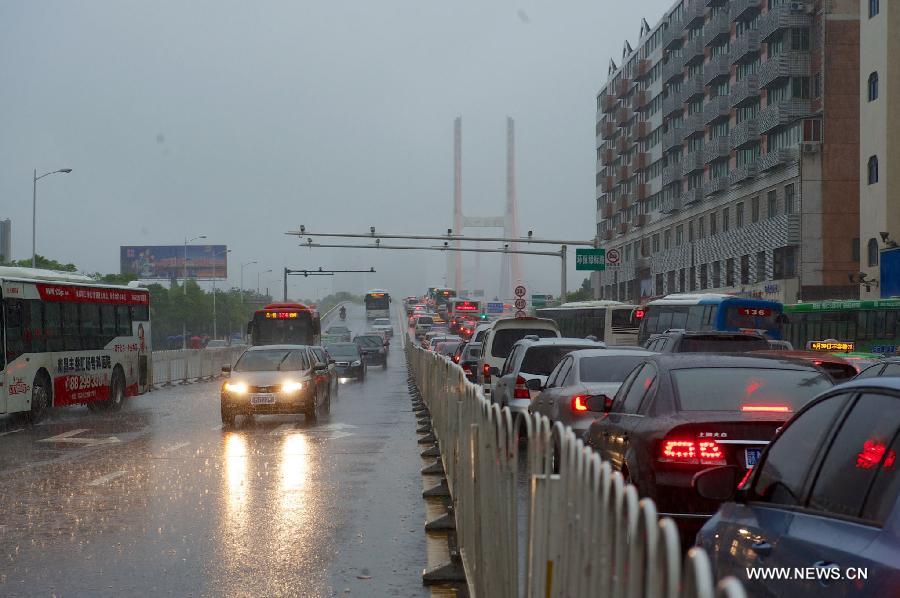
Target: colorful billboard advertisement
168, 261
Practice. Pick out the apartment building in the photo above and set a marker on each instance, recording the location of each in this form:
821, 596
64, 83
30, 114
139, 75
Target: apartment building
879, 137
727, 146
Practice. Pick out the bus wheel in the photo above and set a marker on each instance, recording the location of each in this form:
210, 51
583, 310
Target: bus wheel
116, 391
40, 399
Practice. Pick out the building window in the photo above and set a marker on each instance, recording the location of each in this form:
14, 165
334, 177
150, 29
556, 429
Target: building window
703, 277
693, 279
701, 228
772, 204
717, 274
854, 250
739, 215
729, 272
872, 250
670, 281
679, 236
681, 288
784, 262
656, 243
713, 229
789, 199
726, 220
760, 266
659, 284
627, 253
873, 87
745, 269
667, 239
754, 209
873, 170
690, 231
873, 8
800, 39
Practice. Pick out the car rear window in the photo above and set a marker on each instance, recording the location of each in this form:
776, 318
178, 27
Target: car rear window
425, 320
505, 338
369, 341
607, 368
717, 344
757, 390
540, 361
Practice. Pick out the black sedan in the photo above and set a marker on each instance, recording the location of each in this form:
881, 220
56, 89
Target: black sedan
676, 414
374, 348
349, 362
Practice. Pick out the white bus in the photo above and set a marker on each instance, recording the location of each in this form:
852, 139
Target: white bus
68, 340
378, 304
612, 322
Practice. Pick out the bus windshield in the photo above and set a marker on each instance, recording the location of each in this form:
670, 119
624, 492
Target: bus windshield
377, 301
292, 331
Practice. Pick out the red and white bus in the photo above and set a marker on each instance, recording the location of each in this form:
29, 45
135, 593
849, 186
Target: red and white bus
285, 324
68, 340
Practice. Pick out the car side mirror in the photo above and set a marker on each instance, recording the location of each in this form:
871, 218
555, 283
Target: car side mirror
331, 361
716, 483
226, 369
320, 368
495, 371
599, 403
534, 384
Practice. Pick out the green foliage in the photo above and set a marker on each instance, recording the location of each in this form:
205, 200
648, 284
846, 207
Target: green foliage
585, 293
44, 263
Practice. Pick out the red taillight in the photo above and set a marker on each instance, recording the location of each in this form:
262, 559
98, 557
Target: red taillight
579, 403
520, 391
745, 478
705, 452
455, 359
486, 371
639, 313
765, 409
467, 368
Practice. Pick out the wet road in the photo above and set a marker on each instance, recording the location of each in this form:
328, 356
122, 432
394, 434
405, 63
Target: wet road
160, 500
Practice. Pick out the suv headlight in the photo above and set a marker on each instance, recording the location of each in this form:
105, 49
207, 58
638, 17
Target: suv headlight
356, 363
291, 386
238, 388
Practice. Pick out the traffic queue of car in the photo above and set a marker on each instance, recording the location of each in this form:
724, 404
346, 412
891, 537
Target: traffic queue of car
764, 456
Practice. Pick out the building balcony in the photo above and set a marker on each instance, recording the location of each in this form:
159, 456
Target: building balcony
745, 48
692, 162
693, 51
606, 212
608, 234
606, 129
640, 220
745, 10
623, 116
716, 28
605, 182
694, 13
623, 144
622, 228
716, 149
640, 129
640, 99
745, 133
672, 104
672, 138
742, 173
715, 185
641, 192
607, 156
670, 205
716, 108
782, 113
786, 64
607, 103
671, 173
718, 66
776, 158
693, 88
744, 90
623, 173
672, 34
692, 196
642, 69
624, 87
673, 69
790, 15
623, 203
694, 124
639, 161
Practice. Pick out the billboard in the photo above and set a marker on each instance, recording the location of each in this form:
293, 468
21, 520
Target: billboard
168, 261
890, 273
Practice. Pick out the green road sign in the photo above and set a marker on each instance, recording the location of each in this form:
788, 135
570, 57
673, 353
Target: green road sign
590, 259
539, 301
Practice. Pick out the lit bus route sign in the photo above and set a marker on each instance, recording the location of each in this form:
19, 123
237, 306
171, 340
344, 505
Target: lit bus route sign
842, 346
281, 315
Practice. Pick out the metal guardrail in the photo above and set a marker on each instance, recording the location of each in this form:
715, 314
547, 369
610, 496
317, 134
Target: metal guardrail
191, 365
588, 532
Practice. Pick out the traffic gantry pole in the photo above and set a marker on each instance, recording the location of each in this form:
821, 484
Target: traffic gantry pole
562, 283
302, 232
319, 272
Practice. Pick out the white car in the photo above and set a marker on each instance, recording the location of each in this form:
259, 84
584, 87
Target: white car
500, 338
384, 326
423, 325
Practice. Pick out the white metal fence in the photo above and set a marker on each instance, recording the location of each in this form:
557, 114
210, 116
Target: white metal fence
587, 531
191, 365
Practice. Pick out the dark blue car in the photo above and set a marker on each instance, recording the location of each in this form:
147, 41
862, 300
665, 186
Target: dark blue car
823, 502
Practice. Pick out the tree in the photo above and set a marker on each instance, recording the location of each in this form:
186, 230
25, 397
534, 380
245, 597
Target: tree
585, 293
43, 263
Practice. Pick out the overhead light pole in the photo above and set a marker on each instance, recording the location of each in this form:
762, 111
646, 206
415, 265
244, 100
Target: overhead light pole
242, 277
227, 251
34, 210
184, 289
258, 274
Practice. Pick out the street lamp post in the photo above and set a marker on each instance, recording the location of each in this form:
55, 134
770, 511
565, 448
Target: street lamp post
34, 210
242, 277
215, 335
258, 274
184, 289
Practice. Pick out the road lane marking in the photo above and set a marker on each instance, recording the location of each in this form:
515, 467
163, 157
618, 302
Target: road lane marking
175, 447
282, 429
64, 435
68, 438
11, 432
107, 478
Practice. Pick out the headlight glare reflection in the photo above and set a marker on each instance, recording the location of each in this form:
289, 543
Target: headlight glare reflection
236, 387
291, 386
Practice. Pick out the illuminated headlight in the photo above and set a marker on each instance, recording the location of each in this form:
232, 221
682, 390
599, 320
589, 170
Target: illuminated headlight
236, 387
356, 363
291, 386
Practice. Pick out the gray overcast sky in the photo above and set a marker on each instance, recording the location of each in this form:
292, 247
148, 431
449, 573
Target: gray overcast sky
242, 120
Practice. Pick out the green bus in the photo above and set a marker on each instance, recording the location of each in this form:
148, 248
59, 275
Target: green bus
874, 325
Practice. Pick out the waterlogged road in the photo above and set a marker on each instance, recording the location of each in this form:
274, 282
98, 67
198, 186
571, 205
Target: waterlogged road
160, 500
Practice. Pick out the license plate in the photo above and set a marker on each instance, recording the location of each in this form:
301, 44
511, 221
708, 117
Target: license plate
751, 456
262, 399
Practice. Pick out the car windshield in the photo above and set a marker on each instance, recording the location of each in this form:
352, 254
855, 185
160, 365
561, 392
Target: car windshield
607, 368
540, 361
472, 351
369, 341
748, 389
382, 322
425, 320
338, 330
447, 348
268, 360
505, 338
343, 350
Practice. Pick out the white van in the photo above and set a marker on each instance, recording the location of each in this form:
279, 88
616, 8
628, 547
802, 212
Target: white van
500, 338
423, 325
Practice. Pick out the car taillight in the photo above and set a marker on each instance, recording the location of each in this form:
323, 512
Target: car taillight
765, 409
579, 403
520, 391
745, 478
456, 359
467, 368
486, 372
697, 452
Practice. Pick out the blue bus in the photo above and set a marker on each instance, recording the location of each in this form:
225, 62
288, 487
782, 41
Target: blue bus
710, 311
